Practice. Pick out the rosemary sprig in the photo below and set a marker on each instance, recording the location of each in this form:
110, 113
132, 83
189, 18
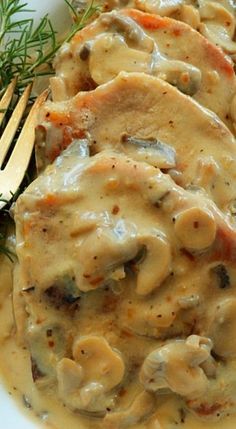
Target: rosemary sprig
81, 20
30, 54
21, 45
27, 51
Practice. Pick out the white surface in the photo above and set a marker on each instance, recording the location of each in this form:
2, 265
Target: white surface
10, 415
56, 9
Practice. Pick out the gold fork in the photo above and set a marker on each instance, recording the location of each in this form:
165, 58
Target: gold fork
13, 173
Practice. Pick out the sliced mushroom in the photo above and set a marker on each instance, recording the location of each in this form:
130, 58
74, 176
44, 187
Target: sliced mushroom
134, 35
103, 252
186, 77
139, 410
99, 362
85, 382
163, 8
195, 228
177, 366
151, 150
70, 376
71, 390
157, 264
217, 24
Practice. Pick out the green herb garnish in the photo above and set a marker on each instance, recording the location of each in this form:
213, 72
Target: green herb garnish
27, 50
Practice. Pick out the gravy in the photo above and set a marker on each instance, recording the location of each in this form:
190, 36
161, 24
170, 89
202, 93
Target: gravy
46, 411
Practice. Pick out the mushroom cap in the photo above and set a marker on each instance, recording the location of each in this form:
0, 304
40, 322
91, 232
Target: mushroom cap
195, 228
100, 363
85, 382
176, 366
156, 266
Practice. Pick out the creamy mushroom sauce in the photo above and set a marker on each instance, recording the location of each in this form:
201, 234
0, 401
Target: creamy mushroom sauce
140, 303
124, 300
134, 41
215, 19
45, 409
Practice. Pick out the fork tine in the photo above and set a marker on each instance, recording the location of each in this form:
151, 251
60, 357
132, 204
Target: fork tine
6, 98
19, 160
13, 123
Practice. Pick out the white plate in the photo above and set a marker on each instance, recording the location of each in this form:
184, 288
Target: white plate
10, 415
